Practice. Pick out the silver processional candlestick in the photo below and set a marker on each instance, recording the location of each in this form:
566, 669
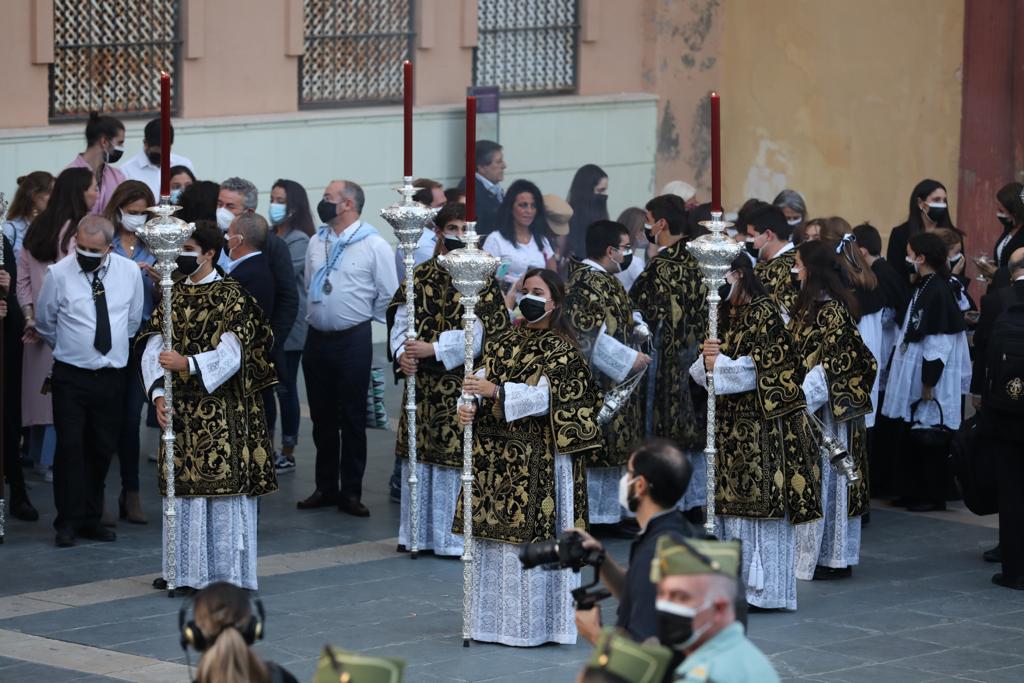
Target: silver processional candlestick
3, 500
715, 253
471, 270
164, 236
408, 220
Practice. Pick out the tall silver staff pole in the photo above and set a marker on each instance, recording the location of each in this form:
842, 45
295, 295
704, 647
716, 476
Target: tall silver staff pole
715, 253
3, 451
164, 236
408, 219
471, 270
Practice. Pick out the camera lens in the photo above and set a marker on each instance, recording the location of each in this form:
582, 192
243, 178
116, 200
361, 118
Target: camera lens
536, 554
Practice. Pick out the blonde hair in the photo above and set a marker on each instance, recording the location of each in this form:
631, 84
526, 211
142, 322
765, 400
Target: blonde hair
220, 611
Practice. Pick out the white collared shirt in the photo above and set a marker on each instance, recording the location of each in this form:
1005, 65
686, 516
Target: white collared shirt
788, 246
66, 313
139, 168
362, 282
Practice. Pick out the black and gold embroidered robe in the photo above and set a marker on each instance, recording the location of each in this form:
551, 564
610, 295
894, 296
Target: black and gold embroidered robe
671, 296
514, 493
221, 443
769, 466
597, 298
439, 309
776, 277
831, 339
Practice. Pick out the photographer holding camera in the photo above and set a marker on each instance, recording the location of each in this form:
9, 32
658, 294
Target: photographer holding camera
657, 475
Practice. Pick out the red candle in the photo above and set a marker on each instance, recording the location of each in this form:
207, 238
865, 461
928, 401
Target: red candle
470, 159
407, 68
716, 152
165, 134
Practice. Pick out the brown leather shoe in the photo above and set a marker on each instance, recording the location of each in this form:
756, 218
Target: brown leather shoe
317, 500
353, 507
131, 508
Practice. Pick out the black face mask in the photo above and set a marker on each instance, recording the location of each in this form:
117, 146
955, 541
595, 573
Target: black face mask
627, 261
89, 264
326, 211
1006, 222
649, 234
114, 156
453, 243
794, 279
532, 309
751, 249
187, 264
154, 158
937, 214
601, 201
673, 629
724, 291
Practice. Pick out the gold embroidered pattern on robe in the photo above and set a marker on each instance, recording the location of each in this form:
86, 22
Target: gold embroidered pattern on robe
671, 296
776, 277
595, 298
439, 309
768, 459
221, 443
514, 493
833, 341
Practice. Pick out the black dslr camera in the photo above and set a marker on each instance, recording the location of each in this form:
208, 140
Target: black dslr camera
567, 552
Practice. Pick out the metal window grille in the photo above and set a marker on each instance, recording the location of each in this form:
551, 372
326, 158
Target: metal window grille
527, 47
108, 55
353, 51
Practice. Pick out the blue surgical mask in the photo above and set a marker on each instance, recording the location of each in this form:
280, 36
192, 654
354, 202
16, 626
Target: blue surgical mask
175, 196
276, 213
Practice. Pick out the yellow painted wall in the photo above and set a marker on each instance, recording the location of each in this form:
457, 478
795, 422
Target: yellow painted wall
849, 102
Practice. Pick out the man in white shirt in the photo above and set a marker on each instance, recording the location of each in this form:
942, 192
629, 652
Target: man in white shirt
89, 307
145, 166
350, 276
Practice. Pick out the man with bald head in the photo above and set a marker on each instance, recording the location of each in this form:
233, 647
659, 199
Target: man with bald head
89, 308
350, 276
996, 385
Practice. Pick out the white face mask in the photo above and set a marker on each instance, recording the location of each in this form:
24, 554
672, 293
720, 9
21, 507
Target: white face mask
224, 218
793, 222
624, 483
913, 263
132, 222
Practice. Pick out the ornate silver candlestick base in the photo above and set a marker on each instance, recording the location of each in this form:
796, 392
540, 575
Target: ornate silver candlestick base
3, 453
164, 236
715, 253
471, 270
408, 219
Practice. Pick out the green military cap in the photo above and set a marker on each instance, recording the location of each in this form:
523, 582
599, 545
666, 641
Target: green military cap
629, 660
338, 666
676, 555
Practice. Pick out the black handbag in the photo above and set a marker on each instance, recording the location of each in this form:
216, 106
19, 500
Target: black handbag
973, 466
934, 437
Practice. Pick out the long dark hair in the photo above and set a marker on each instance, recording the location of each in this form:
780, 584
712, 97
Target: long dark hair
837, 233
749, 283
99, 127
587, 207
199, 201
560, 324
921, 191
822, 280
934, 250
299, 216
1009, 197
66, 205
539, 228
29, 185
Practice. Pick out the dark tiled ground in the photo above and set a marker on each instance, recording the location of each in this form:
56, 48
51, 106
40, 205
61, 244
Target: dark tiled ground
919, 608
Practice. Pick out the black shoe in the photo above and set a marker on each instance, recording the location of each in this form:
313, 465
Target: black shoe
98, 532
902, 502
65, 538
160, 583
1015, 584
317, 500
395, 496
353, 507
993, 555
832, 573
927, 507
21, 506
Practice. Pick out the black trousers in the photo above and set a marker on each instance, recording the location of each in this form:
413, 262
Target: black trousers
1010, 466
87, 415
12, 411
336, 366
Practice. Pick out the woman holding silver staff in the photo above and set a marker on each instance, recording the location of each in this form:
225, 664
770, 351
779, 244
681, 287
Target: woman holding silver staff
602, 314
837, 387
768, 476
436, 357
538, 408
223, 455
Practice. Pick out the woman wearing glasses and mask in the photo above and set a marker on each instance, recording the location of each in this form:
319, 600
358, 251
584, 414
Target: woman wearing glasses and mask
537, 409
767, 479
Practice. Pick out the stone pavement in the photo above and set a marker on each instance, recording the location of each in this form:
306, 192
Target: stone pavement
920, 607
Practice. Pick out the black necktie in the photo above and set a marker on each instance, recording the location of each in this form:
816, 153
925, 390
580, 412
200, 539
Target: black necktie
99, 297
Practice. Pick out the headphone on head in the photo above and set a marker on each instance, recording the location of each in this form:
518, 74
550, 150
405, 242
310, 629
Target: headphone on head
191, 634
